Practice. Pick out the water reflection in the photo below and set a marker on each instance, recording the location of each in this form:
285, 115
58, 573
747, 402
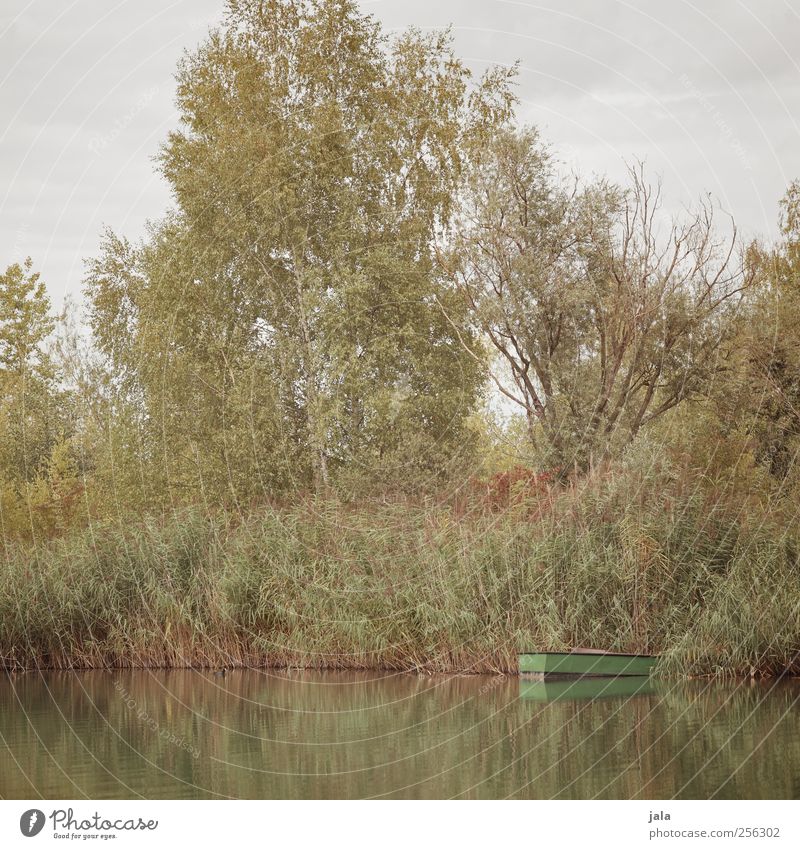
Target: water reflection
555, 689
262, 734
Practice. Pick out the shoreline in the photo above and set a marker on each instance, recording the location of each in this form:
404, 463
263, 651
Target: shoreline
418, 671
398, 588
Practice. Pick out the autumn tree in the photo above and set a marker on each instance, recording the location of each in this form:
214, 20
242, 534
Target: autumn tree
603, 317
763, 392
35, 422
278, 328
26, 372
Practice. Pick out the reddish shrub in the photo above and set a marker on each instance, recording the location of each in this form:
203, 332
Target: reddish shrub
517, 486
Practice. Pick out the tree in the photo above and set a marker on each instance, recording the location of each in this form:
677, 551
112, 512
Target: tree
279, 327
26, 374
25, 323
36, 468
763, 394
604, 319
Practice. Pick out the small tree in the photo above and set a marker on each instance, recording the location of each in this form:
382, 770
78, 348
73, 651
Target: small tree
26, 374
25, 323
34, 443
763, 395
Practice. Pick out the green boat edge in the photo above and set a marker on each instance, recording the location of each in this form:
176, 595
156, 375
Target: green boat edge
602, 664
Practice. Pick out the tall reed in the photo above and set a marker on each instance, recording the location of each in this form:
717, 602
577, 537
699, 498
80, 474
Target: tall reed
712, 588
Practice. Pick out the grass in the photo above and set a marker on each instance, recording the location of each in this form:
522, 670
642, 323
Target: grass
711, 587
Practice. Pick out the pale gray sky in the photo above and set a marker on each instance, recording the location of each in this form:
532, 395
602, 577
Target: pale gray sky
708, 93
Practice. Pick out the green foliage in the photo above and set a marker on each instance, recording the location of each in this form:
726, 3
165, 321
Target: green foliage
25, 322
26, 375
38, 477
282, 319
759, 391
641, 559
603, 321
360, 244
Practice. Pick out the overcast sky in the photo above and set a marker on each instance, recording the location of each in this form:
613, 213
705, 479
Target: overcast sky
708, 93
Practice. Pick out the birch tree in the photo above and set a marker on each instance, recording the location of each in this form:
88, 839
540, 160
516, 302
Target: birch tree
280, 323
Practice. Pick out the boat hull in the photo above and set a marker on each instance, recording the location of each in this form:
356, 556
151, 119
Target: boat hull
548, 664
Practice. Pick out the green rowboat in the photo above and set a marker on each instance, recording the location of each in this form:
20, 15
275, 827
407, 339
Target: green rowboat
585, 662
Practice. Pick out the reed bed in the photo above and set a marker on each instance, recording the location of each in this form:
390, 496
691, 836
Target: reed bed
711, 587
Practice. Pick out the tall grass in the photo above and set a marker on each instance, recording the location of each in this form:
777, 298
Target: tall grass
712, 587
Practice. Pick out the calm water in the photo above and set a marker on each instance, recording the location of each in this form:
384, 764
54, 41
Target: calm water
259, 734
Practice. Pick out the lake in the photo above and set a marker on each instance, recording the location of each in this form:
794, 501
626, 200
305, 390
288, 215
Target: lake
269, 734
